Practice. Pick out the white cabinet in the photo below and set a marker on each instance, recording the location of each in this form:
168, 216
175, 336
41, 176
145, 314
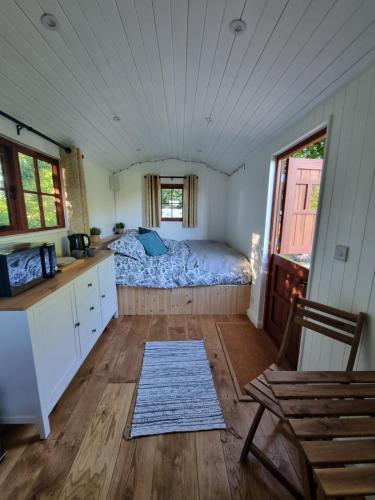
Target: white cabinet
55, 345
108, 294
44, 344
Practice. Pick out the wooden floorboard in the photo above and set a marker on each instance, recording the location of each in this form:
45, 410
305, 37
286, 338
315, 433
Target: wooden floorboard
88, 455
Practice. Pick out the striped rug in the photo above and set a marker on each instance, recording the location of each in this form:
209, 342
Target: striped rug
176, 392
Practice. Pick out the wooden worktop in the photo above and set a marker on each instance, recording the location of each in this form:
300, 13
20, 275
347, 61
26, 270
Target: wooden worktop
39, 292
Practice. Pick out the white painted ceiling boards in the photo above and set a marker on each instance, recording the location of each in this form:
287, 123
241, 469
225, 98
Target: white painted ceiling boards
182, 83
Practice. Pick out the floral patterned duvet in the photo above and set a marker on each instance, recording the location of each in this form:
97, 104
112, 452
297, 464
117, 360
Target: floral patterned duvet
183, 265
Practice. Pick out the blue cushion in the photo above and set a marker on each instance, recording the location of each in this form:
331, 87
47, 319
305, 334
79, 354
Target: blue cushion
143, 230
152, 243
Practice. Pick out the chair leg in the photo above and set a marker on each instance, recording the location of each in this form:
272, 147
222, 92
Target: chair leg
251, 434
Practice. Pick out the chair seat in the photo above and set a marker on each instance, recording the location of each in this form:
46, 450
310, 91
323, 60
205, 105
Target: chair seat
259, 390
346, 481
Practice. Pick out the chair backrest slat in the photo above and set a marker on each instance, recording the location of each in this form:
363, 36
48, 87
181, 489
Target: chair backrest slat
327, 320
328, 332
343, 326
328, 309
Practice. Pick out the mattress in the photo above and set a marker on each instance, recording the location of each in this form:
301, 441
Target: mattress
186, 264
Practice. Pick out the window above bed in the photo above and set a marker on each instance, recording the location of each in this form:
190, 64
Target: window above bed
171, 202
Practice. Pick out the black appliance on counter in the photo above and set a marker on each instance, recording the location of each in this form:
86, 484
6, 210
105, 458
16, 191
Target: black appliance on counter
78, 241
24, 265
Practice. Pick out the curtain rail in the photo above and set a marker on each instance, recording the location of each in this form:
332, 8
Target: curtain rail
171, 176
20, 125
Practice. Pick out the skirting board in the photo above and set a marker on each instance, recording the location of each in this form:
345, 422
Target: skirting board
222, 299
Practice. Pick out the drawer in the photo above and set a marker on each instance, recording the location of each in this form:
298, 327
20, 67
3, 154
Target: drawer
90, 324
86, 286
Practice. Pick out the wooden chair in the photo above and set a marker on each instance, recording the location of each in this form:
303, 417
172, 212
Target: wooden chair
339, 325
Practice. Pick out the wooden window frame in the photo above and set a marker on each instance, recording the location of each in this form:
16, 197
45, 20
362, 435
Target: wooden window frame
170, 186
16, 201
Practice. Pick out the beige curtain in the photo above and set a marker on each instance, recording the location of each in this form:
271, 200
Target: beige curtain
190, 218
152, 201
75, 191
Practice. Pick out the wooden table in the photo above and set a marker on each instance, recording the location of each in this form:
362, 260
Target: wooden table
332, 416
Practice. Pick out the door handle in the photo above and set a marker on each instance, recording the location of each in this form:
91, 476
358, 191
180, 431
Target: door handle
77, 325
89, 285
93, 331
92, 308
103, 296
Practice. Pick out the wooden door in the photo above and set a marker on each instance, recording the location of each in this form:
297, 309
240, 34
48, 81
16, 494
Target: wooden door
285, 279
301, 204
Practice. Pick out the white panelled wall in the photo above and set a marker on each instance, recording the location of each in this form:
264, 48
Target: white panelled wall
347, 217
212, 193
100, 198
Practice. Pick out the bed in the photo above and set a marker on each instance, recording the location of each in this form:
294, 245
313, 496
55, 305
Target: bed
192, 277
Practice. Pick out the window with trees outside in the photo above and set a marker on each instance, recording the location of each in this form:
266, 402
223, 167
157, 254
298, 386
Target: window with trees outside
171, 202
30, 190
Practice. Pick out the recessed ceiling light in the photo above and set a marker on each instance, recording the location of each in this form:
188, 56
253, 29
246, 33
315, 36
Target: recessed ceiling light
237, 26
208, 119
117, 118
49, 21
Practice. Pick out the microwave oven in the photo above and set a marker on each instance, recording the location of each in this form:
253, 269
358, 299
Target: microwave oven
24, 265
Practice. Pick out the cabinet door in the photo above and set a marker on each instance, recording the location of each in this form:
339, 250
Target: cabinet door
55, 345
108, 293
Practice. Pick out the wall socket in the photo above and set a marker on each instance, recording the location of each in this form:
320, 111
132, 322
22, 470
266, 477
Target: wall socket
341, 252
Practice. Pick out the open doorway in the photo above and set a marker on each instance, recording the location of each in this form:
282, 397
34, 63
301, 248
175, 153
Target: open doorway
295, 209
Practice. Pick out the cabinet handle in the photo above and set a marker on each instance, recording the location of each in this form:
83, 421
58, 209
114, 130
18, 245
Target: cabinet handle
92, 308
77, 325
103, 296
93, 331
89, 285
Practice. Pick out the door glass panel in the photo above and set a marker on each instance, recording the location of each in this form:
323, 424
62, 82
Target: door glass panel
46, 177
27, 172
2, 179
49, 208
4, 210
32, 210
314, 197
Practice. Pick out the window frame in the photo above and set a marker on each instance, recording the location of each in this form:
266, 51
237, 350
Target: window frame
15, 191
170, 186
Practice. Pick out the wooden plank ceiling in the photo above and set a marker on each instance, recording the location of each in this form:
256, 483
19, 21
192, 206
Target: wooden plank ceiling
182, 83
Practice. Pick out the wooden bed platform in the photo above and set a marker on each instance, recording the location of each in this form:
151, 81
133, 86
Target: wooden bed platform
221, 299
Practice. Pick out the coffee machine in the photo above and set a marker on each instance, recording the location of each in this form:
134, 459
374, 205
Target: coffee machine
78, 241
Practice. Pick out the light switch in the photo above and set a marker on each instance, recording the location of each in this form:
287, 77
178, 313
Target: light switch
341, 252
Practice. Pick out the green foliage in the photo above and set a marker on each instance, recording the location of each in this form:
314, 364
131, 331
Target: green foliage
49, 208
32, 210
27, 172
46, 177
29, 183
95, 231
4, 212
314, 151
171, 202
119, 225
314, 198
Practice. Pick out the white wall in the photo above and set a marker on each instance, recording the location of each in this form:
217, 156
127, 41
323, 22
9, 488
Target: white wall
212, 192
347, 216
100, 198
